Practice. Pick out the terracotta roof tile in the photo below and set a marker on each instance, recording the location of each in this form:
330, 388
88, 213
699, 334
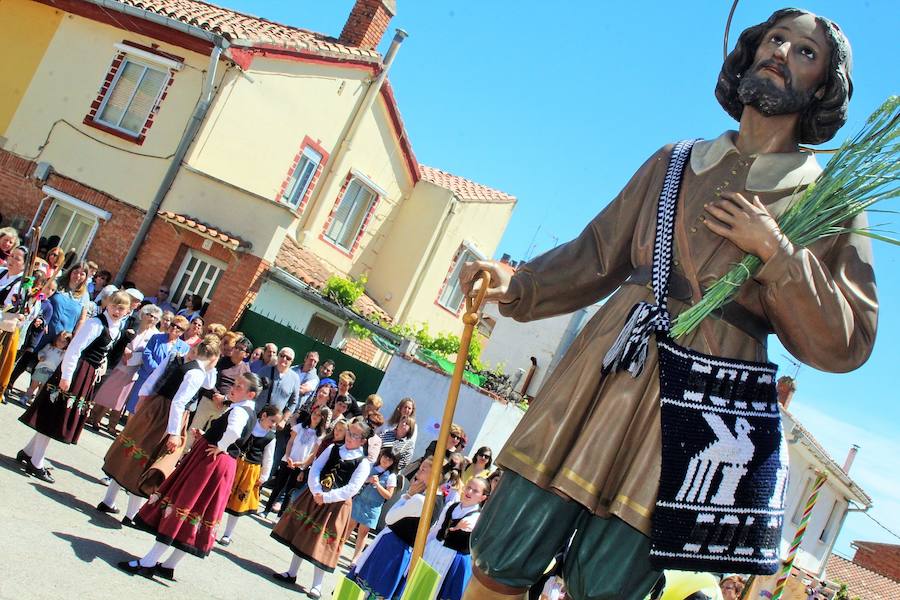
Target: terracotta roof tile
224, 238
311, 270
861, 581
240, 27
463, 188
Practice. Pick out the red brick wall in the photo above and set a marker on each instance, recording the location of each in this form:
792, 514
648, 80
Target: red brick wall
20, 196
162, 254
884, 559
363, 350
366, 24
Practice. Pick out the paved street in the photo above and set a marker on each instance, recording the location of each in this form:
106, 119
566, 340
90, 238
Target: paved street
55, 544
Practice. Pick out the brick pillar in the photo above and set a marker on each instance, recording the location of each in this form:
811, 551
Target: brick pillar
367, 23
236, 289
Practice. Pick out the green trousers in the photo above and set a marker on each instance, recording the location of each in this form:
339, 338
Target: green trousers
523, 527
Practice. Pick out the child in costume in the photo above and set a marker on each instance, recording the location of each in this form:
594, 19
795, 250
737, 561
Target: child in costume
317, 524
186, 510
368, 503
148, 449
381, 569
298, 456
253, 468
447, 548
61, 409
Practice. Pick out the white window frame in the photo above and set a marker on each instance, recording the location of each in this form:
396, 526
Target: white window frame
830, 523
77, 207
294, 194
366, 184
451, 284
144, 59
178, 296
797, 515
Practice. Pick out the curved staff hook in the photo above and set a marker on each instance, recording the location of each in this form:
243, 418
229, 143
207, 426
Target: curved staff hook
470, 318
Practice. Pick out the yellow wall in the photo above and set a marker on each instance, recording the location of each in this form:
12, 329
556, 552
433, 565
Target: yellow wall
26, 29
408, 234
64, 86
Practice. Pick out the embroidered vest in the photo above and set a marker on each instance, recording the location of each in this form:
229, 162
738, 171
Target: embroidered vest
252, 451
455, 540
218, 426
174, 375
96, 351
337, 472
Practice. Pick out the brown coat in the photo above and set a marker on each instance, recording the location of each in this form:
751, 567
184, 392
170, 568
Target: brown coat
596, 439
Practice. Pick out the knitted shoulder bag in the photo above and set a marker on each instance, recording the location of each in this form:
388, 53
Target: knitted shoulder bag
720, 504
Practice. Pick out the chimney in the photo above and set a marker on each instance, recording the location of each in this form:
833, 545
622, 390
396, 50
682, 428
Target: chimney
851, 455
367, 23
785, 388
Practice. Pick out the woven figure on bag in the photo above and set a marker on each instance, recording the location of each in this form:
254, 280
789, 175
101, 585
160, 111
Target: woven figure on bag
594, 453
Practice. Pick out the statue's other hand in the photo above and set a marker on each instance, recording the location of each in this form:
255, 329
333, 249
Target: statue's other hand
500, 278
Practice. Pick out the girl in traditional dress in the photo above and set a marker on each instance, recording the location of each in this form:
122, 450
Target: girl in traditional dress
186, 510
447, 548
381, 570
149, 447
61, 409
368, 503
298, 456
114, 391
317, 524
253, 468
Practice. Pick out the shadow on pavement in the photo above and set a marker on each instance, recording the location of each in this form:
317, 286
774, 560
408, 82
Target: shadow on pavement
66, 499
77, 472
264, 571
9, 463
88, 551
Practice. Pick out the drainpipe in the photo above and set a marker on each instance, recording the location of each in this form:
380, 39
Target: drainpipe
406, 304
345, 144
187, 139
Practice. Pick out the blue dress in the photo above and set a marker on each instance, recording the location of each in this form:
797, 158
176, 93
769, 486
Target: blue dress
368, 503
157, 350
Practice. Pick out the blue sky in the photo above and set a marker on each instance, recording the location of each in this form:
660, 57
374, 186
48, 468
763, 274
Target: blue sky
559, 102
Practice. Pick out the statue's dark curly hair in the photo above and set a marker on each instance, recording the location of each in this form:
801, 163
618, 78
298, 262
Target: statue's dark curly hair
824, 116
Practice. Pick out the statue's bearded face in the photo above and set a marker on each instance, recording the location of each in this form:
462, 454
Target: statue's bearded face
788, 68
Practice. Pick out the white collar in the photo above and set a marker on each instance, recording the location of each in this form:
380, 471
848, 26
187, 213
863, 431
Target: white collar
460, 511
258, 431
249, 403
768, 173
350, 454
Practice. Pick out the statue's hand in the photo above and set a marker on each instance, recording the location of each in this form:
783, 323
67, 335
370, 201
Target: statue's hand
747, 224
500, 278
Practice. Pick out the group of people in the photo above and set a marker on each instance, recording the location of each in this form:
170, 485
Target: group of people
207, 419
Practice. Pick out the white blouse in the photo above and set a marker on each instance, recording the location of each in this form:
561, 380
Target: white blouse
190, 385
356, 480
87, 333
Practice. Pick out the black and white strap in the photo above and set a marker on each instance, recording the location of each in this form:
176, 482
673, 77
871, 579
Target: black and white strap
629, 351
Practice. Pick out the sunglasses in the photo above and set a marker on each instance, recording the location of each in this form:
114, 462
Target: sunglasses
288, 356
485, 456
179, 327
455, 437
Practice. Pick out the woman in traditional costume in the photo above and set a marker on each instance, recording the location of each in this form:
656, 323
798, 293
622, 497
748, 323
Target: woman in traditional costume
61, 409
381, 569
114, 391
11, 279
149, 447
186, 510
317, 524
253, 469
447, 547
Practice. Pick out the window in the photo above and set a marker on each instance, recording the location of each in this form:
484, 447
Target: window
801, 502
132, 96
830, 524
302, 177
452, 295
349, 216
72, 221
198, 274
321, 329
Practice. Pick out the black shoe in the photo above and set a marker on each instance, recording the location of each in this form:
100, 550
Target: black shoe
136, 568
284, 578
110, 510
129, 523
43, 474
165, 572
22, 457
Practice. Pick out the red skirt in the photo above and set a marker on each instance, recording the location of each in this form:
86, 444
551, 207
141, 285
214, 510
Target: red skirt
186, 510
59, 415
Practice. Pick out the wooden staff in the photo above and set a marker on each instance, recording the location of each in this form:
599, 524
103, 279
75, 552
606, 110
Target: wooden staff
788, 562
470, 319
33, 250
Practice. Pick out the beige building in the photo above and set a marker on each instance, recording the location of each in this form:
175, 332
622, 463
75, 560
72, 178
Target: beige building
188, 145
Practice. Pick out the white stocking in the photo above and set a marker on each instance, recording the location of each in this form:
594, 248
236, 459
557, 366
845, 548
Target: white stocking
174, 558
230, 524
111, 492
318, 578
295, 566
29, 448
39, 450
154, 555
134, 505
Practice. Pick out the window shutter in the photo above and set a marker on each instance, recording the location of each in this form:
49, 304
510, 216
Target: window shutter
120, 95
144, 100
